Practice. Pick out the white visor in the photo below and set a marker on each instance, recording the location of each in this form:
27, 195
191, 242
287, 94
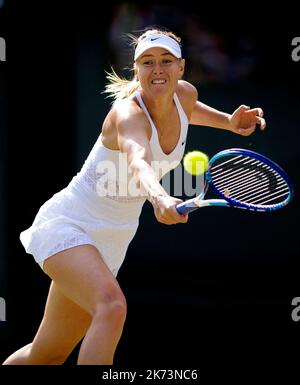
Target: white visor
158, 40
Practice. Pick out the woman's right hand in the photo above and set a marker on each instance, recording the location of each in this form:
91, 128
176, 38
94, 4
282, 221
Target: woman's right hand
165, 210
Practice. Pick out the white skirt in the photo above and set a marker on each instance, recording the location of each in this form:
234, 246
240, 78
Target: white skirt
72, 218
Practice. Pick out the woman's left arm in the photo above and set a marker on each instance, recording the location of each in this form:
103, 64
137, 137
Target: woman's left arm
242, 121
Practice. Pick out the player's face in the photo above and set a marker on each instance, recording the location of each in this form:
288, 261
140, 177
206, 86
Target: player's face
159, 71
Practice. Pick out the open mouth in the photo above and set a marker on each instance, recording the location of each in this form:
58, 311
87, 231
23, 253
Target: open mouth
158, 81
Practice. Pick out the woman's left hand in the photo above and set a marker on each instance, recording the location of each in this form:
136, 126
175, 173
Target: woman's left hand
243, 121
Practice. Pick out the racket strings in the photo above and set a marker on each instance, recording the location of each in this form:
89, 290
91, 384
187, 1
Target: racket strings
249, 180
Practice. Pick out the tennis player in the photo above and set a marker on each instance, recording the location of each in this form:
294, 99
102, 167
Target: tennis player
80, 236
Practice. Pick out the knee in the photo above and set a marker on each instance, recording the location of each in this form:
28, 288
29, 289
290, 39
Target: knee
111, 307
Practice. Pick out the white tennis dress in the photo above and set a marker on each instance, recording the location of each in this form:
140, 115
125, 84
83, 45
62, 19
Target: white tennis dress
99, 206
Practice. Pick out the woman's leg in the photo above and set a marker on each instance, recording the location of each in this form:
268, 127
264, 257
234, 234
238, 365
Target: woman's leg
84, 278
64, 324
85, 297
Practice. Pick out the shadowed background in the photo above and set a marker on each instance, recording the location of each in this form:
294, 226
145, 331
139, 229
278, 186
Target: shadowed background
228, 277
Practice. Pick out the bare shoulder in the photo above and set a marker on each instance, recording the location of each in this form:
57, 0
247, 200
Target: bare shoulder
187, 91
124, 110
125, 119
188, 95
128, 118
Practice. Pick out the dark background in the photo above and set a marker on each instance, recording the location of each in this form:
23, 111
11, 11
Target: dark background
219, 288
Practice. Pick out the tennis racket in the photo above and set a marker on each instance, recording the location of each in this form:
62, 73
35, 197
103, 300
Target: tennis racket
243, 179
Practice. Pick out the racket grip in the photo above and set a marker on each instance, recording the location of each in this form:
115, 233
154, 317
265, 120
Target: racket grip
187, 207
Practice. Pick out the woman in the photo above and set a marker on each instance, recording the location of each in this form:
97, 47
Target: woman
80, 236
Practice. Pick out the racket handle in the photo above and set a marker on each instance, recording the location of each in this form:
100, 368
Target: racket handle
187, 206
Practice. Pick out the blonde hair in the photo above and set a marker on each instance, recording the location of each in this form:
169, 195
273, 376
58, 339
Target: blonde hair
122, 88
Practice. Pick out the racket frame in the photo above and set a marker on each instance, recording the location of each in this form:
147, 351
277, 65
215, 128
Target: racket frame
198, 202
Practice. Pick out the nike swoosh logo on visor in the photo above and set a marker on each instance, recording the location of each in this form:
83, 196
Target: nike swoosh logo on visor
155, 38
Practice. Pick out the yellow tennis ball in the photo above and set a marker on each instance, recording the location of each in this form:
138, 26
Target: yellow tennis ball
195, 162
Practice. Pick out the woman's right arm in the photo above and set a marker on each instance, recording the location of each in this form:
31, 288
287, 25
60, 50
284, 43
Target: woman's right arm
134, 141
